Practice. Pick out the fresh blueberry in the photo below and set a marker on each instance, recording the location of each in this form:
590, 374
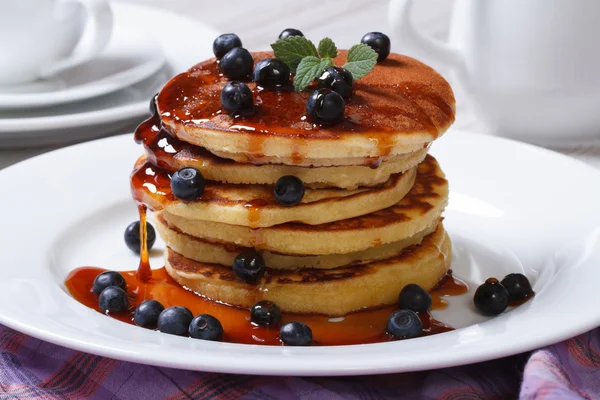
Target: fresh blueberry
132, 236
404, 324
378, 42
224, 43
237, 63
153, 108
175, 320
113, 299
206, 327
237, 99
187, 184
295, 334
108, 279
337, 79
289, 190
518, 287
325, 106
491, 298
249, 266
414, 297
266, 313
290, 32
146, 314
271, 73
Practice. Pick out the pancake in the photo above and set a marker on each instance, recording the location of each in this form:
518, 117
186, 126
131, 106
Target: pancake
332, 292
172, 154
205, 251
419, 209
400, 107
255, 205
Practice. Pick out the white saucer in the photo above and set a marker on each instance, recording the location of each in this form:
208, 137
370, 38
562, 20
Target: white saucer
130, 57
513, 208
184, 43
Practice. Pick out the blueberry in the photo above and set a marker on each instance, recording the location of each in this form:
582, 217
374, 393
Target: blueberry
187, 184
146, 314
325, 106
224, 43
289, 190
518, 287
175, 320
132, 236
107, 279
265, 313
271, 73
413, 297
237, 99
237, 63
153, 108
337, 79
206, 327
491, 298
404, 324
290, 32
378, 42
113, 299
295, 334
249, 266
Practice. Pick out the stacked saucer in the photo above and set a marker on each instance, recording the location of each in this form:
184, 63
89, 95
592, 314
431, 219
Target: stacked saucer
317, 218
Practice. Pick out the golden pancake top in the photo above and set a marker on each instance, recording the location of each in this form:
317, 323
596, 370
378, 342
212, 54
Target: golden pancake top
401, 105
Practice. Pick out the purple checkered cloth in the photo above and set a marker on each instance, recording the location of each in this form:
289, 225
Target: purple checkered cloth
33, 369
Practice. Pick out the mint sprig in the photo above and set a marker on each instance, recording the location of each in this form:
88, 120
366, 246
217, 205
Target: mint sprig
308, 63
361, 60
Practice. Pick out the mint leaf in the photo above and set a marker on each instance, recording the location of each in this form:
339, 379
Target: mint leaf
361, 60
308, 70
327, 48
291, 50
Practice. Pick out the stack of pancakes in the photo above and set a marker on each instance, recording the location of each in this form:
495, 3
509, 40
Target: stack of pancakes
369, 222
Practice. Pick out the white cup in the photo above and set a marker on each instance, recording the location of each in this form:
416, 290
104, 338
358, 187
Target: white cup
532, 66
40, 38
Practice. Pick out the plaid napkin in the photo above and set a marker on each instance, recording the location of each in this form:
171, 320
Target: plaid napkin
33, 369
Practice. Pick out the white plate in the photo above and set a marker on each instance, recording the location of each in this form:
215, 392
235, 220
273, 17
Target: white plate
513, 207
185, 42
130, 57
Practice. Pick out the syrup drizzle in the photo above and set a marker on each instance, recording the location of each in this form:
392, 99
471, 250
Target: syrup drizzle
144, 272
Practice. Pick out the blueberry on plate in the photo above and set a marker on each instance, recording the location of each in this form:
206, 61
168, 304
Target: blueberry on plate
237, 99
249, 266
295, 334
237, 63
107, 279
404, 324
132, 236
413, 297
146, 314
265, 313
113, 299
290, 32
289, 190
518, 287
271, 73
187, 184
378, 42
338, 79
491, 298
175, 320
153, 108
206, 327
225, 43
325, 106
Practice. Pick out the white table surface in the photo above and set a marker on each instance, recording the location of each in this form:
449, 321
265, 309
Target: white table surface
259, 22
